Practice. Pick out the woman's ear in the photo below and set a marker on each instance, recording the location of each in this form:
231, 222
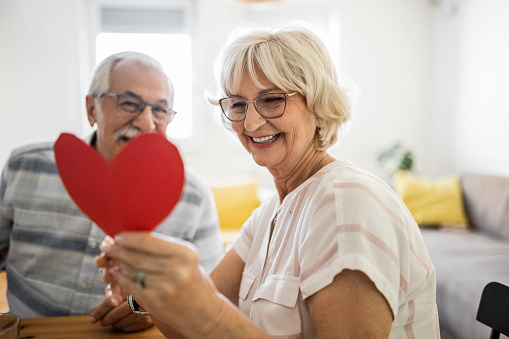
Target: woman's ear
91, 110
319, 121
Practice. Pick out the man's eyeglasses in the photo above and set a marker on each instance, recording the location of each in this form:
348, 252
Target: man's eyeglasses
132, 106
269, 106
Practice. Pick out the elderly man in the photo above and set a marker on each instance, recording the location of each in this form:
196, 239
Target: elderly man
49, 245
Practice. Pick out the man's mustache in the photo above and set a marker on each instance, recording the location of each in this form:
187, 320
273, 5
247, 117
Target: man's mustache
126, 132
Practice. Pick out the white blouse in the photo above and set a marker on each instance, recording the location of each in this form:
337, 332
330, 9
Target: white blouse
340, 218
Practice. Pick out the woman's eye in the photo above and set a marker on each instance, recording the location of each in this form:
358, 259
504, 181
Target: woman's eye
238, 106
272, 100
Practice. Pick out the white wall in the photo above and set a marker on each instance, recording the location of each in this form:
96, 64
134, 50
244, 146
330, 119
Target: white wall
425, 79
41, 55
471, 105
482, 141
445, 87
386, 48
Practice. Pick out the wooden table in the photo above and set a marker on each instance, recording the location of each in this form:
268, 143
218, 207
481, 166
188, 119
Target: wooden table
76, 327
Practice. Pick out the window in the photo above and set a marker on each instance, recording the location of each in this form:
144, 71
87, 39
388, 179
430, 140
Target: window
162, 33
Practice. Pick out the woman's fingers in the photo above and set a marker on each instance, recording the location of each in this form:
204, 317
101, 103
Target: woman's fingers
131, 260
155, 244
129, 276
151, 269
151, 254
158, 272
125, 280
104, 263
113, 293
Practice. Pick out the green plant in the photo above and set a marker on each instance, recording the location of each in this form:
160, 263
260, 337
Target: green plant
395, 158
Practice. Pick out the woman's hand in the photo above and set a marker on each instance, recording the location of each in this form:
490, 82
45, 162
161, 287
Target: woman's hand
114, 310
174, 289
113, 292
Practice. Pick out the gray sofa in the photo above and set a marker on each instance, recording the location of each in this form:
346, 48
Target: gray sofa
466, 260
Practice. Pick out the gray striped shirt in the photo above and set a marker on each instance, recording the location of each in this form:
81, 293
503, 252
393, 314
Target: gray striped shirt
52, 244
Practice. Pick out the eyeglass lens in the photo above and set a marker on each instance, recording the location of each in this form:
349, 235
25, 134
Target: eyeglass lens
271, 105
133, 106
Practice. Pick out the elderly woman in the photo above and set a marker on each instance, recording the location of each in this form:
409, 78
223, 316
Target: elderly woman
334, 254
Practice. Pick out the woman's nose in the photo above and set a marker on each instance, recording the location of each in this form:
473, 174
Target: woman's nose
253, 119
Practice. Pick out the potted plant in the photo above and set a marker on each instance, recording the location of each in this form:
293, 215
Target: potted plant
395, 158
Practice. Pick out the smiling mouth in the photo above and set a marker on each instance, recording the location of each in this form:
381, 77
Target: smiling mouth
124, 138
126, 134
267, 139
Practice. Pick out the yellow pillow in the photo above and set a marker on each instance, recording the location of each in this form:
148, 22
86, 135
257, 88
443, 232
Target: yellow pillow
432, 202
235, 204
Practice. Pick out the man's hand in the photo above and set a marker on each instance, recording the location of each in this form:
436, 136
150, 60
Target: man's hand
119, 316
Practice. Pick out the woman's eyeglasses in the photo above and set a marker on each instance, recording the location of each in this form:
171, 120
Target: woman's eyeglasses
269, 105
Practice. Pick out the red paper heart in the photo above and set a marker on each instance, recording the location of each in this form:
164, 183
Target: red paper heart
136, 191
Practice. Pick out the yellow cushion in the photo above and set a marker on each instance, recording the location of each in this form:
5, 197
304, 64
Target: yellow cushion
235, 204
432, 202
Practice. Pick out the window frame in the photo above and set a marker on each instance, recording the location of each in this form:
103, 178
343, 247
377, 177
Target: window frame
194, 142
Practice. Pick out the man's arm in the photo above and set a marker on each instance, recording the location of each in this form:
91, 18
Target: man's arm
207, 235
3, 255
5, 219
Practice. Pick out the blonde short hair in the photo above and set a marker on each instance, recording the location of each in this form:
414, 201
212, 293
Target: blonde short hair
293, 59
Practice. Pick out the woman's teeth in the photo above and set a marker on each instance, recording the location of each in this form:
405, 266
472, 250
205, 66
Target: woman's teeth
264, 140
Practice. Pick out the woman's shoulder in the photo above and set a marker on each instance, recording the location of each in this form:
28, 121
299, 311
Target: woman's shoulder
342, 182
344, 174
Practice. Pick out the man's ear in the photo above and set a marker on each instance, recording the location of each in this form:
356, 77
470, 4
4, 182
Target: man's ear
91, 110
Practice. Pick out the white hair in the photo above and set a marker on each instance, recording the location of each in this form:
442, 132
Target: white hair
101, 77
293, 59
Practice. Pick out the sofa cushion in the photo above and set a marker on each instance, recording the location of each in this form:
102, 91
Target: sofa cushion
432, 202
487, 202
235, 203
